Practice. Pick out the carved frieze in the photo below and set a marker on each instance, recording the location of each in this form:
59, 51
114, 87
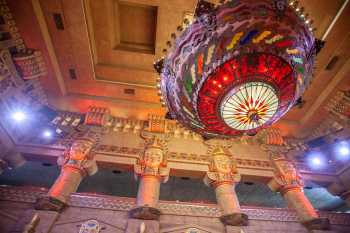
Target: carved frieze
97, 116
30, 64
171, 208
340, 105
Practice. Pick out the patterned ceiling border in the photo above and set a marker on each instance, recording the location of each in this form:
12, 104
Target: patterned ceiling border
29, 195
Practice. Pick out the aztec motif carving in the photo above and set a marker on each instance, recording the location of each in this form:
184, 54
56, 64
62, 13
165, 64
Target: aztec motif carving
79, 156
171, 208
286, 175
97, 116
222, 168
339, 105
270, 136
90, 226
153, 161
30, 64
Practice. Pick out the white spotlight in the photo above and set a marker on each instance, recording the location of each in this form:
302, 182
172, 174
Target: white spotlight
19, 116
342, 150
47, 133
316, 160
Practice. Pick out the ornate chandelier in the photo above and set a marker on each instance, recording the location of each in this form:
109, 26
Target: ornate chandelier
238, 67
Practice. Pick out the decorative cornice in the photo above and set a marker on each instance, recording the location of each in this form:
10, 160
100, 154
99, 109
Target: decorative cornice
30, 195
179, 156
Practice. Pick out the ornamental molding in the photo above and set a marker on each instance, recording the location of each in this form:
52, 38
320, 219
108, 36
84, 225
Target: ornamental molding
179, 156
30, 195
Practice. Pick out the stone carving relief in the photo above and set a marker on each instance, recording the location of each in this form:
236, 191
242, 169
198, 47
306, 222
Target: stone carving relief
189, 228
167, 208
153, 160
286, 175
270, 136
30, 64
90, 226
79, 156
97, 116
222, 167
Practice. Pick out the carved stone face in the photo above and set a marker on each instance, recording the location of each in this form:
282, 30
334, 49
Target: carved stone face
80, 149
222, 163
153, 157
288, 170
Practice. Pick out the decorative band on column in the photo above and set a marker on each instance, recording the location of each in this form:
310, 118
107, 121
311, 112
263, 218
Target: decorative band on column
283, 190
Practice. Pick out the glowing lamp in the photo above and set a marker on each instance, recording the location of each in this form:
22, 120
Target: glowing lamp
19, 116
316, 160
47, 134
342, 150
238, 67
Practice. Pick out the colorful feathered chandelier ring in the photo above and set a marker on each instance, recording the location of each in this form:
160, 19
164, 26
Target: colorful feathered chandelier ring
238, 67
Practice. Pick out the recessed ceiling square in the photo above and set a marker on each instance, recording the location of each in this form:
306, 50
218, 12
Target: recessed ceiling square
137, 27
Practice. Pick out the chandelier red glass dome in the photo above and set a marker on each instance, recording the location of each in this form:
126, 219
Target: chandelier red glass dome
238, 67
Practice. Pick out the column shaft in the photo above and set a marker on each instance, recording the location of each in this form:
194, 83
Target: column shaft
67, 183
148, 193
297, 200
227, 198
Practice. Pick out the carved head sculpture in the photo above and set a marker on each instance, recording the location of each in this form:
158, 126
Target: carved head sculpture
222, 161
155, 150
153, 157
80, 149
286, 171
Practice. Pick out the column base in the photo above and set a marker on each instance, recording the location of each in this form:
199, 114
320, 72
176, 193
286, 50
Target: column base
49, 203
235, 219
145, 212
317, 224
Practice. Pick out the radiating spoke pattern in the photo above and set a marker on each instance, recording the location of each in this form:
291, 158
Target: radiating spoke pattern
249, 106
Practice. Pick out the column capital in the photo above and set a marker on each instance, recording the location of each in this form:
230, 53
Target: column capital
222, 168
153, 160
79, 156
286, 176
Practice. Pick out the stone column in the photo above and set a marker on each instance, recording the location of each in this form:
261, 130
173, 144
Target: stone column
288, 182
223, 176
76, 163
151, 168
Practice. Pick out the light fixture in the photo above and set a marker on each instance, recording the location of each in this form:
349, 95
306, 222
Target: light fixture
47, 134
19, 116
220, 87
316, 160
342, 150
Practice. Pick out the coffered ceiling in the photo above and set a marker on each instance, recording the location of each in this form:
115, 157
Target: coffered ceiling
102, 53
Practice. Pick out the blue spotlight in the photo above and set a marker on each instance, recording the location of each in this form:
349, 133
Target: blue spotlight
316, 160
342, 150
47, 134
19, 116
